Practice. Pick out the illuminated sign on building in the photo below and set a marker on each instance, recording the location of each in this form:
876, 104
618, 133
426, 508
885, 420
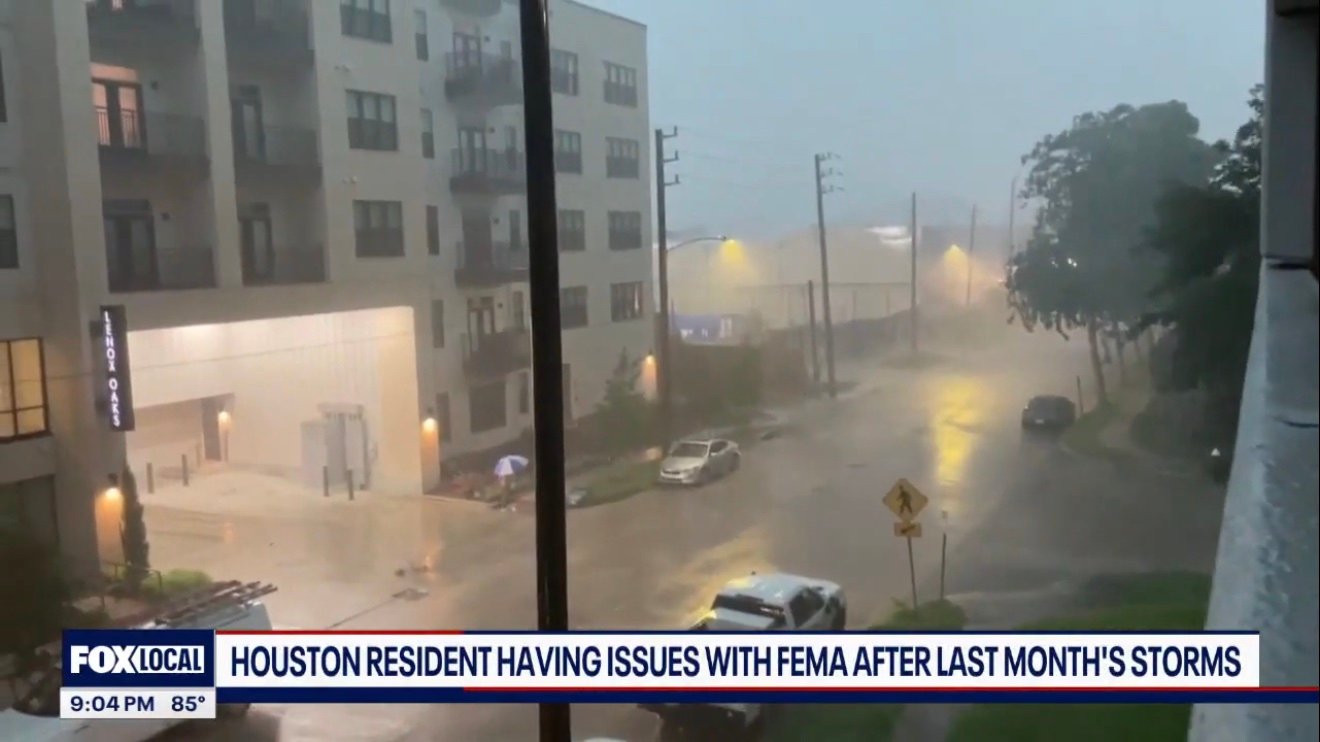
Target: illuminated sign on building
118, 379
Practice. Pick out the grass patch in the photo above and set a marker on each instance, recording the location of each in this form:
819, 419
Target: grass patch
174, 582
619, 481
861, 722
1155, 601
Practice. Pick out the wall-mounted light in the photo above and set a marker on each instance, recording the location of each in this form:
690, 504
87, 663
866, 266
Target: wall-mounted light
223, 417
112, 492
429, 424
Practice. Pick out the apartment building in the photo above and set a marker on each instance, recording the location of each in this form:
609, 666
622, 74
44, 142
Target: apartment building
290, 236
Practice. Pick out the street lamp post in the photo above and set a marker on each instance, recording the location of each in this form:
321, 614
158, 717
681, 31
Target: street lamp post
664, 379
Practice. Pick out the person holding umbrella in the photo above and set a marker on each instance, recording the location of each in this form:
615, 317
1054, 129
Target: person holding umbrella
507, 470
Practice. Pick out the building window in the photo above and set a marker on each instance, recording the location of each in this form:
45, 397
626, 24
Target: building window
4, 110
563, 72
572, 307
486, 406
22, 389
379, 228
419, 32
572, 230
622, 158
437, 323
8, 233
428, 134
625, 301
625, 230
28, 507
366, 19
524, 393
620, 85
432, 230
442, 416
568, 151
371, 121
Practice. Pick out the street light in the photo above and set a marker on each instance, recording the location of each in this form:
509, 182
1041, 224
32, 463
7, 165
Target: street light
663, 371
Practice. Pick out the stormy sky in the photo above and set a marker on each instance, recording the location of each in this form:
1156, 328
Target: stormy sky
937, 96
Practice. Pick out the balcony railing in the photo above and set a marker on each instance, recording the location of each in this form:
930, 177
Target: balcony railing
487, 264
285, 265
278, 146
495, 80
622, 167
160, 269
149, 22
151, 134
497, 353
487, 171
269, 28
479, 8
620, 94
568, 162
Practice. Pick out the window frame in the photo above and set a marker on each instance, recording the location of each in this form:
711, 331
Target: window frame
421, 35
372, 134
373, 14
503, 406
568, 307
8, 381
572, 225
623, 158
620, 85
437, 323
388, 241
565, 78
432, 229
428, 134
627, 307
625, 230
568, 151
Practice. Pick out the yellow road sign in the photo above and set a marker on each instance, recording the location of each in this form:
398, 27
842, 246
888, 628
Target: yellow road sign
907, 529
905, 500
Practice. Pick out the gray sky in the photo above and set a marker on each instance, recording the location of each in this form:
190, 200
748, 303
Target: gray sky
937, 96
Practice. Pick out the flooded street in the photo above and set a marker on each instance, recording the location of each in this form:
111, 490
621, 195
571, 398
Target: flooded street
1023, 514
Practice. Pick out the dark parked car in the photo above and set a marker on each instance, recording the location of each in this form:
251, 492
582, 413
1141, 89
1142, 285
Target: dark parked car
1049, 412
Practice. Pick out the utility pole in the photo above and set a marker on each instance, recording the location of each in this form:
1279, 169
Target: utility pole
1012, 212
821, 190
912, 285
811, 322
971, 250
663, 368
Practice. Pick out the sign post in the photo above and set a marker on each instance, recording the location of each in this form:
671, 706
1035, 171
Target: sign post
944, 549
905, 501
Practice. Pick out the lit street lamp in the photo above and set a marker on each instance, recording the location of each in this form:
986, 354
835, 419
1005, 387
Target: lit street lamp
663, 373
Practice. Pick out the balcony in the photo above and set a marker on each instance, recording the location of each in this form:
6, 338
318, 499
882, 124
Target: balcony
269, 31
160, 269
484, 79
487, 172
478, 8
151, 140
284, 266
487, 264
274, 150
496, 354
144, 24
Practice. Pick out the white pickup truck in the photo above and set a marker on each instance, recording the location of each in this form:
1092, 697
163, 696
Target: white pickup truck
223, 605
769, 602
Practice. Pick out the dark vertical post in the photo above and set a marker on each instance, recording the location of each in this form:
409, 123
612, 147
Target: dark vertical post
1081, 408
185, 468
151, 479
824, 276
348, 477
1012, 212
664, 382
547, 353
811, 322
325, 481
912, 570
971, 265
912, 285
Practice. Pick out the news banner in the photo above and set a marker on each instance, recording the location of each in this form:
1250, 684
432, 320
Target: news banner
185, 673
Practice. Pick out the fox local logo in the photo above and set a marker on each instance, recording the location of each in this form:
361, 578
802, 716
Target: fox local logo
138, 659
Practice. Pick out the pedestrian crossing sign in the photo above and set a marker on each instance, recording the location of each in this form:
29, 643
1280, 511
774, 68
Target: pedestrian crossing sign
905, 500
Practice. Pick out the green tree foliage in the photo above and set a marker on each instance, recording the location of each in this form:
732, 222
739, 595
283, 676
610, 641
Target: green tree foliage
1209, 238
624, 417
1096, 184
33, 593
133, 533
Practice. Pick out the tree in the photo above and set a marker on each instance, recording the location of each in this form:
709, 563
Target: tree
624, 417
33, 593
1208, 236
133, 533
1097, 183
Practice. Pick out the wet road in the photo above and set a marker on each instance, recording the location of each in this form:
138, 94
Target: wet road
806, 502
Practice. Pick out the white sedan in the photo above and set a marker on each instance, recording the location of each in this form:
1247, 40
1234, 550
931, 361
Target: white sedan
699, 461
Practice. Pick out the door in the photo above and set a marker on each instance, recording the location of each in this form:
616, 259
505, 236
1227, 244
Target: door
517, 312
471, 150
467, 51
477, 251
480, 320
249, 134
212, 449
808, 609
119, 114
515, 229
130, 243
256, 238
719, 455
511, 149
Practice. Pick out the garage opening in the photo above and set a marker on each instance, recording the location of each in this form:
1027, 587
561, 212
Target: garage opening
306, 402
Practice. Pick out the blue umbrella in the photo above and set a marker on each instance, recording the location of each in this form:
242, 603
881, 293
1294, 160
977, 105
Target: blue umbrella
509, 466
